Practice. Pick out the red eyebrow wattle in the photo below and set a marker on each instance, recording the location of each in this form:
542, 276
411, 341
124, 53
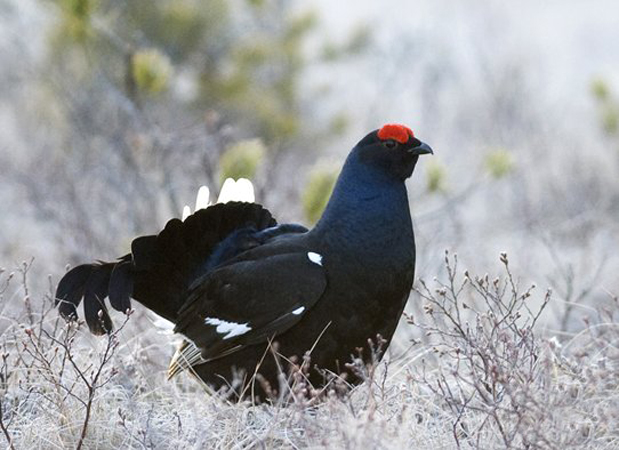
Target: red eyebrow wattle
397, 132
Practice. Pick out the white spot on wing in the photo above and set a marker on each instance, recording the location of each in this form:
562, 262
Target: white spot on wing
186, 212
315, 258
230, 329
299, 310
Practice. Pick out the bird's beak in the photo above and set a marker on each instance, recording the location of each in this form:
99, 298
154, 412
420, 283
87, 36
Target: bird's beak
421, 149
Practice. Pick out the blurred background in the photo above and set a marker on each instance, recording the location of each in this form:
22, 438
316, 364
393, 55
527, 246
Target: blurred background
113, 113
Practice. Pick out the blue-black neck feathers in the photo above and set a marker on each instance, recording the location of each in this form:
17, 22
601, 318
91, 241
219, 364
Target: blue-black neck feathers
367, 210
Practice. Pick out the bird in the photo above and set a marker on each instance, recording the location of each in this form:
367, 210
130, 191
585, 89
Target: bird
248, 294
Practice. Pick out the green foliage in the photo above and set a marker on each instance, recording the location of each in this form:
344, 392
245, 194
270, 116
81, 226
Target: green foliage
339, 123
356, 43
76, 17
181, 28
79, 8
317, 191
245, 57
436, 176
260, 83
610, 120
151, 71
242, 60
241, 160
359, 40
608, 106
600, 90
299, 25
499, 163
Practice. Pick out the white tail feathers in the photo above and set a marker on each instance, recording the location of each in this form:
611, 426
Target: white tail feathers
186, 212
162, 325
241, 190
202, 199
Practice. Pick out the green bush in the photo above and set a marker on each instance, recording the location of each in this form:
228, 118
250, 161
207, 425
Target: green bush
499, 163
600, 90
436, 176
151, 71
242, 159
317, 191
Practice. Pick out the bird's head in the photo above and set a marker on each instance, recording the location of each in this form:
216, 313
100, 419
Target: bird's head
393, 148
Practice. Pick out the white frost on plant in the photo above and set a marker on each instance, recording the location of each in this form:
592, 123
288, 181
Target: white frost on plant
166, 328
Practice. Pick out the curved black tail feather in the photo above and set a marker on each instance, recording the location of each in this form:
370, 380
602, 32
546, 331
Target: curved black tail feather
160, 268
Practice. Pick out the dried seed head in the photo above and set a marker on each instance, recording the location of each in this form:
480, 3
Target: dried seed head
503, 258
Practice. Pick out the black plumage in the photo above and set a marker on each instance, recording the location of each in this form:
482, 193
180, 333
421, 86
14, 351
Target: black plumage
233, 281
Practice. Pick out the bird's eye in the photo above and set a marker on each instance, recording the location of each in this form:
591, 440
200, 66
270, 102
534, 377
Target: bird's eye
390, 143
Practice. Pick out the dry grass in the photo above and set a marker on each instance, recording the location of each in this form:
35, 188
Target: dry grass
480, 375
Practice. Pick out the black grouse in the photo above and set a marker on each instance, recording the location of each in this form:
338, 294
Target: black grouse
237, 285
